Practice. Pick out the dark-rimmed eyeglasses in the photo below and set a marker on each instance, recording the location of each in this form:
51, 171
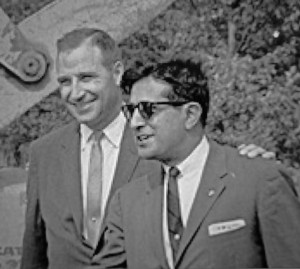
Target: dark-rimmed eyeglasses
147, 109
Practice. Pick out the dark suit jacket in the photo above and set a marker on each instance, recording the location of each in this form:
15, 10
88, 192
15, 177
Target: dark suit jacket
54, 218
232, 189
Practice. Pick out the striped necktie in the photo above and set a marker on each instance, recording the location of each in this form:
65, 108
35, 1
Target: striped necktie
94, 191
175, 225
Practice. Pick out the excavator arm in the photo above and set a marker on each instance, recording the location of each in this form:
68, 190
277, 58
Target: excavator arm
27, 50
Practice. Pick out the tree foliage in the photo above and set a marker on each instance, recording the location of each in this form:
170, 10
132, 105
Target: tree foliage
18, 10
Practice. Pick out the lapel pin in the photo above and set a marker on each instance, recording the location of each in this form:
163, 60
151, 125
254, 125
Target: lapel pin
211, 193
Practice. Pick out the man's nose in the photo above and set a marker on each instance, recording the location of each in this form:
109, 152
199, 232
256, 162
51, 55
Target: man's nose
76, 90
137, 120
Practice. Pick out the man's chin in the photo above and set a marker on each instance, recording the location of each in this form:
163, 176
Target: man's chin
146, 154
84, 119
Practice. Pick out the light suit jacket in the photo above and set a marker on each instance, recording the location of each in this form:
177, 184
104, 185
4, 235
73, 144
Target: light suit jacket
245, 214
54, 218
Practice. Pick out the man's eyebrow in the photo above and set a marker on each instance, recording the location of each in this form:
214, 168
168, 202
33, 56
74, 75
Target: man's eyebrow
87, 73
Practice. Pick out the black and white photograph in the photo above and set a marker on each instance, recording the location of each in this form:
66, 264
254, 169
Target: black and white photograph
149, 134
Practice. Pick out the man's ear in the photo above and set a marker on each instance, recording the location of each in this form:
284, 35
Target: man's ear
118, 71
193, 112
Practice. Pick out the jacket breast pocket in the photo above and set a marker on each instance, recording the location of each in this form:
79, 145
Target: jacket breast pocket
240, 248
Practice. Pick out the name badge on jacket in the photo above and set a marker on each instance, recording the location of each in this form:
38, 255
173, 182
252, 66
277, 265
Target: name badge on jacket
225, 227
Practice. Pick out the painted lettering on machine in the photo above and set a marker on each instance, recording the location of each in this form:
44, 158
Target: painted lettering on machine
10, 257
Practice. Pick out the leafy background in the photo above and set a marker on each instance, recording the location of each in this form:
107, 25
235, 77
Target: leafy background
250, 50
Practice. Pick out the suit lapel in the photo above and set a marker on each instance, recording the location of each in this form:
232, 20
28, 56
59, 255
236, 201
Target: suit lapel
210, 189
126, 163
70, 159
153, 215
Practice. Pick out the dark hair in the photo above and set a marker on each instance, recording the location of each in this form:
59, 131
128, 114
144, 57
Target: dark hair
99, 38
187, 80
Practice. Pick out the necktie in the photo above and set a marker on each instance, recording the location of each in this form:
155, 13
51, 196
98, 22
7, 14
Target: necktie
174, 216
94, 191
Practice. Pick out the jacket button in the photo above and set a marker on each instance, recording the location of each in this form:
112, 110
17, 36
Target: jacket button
177, 236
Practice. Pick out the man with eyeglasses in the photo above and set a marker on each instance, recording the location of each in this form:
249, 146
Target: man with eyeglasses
208, 207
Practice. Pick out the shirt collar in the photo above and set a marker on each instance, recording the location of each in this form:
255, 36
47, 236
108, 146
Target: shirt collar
113, 132
192, 161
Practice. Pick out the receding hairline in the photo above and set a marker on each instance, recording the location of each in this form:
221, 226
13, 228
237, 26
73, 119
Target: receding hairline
93, 37
75, 37
86, 46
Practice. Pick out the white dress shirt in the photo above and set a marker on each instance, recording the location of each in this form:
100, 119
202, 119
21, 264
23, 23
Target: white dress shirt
110, 144
191, 170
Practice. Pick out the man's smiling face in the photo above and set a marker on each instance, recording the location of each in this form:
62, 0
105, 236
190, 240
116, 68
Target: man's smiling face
89, 88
